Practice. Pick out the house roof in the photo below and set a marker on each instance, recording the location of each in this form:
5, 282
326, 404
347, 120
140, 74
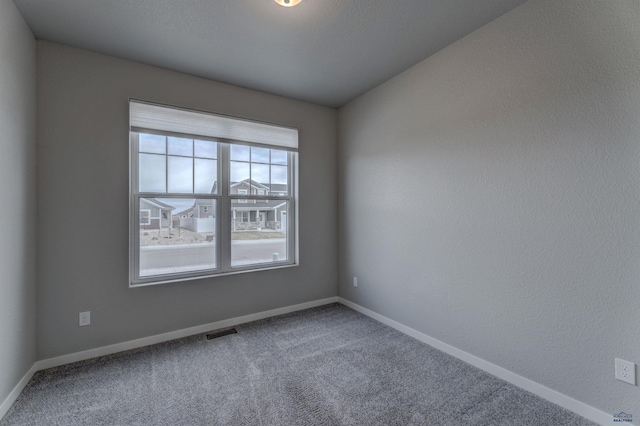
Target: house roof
275, 187
279, 187
199, 202
184, 211
253, 183
157, 203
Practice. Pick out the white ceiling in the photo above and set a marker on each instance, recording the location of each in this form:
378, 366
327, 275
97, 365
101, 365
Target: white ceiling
322, 51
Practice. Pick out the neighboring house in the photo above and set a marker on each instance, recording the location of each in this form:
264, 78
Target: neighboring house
154, 214
246, 214
279, 189
249, 187
258, 214
200, 217
201, 209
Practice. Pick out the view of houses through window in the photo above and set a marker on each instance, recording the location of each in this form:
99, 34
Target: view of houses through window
177, 241
180, 201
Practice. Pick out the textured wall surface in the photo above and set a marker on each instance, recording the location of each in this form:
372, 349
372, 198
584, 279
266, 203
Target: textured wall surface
83, 175
490, 196
18, 195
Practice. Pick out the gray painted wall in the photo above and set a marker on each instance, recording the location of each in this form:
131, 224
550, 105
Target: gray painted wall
517, 152
83, 168
18, 195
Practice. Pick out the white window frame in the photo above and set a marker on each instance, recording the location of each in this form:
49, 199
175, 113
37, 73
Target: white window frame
223, 197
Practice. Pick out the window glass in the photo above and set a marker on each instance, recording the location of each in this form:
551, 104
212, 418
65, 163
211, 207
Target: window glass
180, 146
278, 156
176, 208
259, 232
153, 144
242, 191
240, 153
180, 236
205, 149
259, 155
279, 180
180, 174
267, 169
239, 172
145, 217
260, 174
205, 176
152, 173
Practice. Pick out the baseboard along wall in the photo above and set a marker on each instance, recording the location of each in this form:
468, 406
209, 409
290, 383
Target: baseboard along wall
544, 392
151, 340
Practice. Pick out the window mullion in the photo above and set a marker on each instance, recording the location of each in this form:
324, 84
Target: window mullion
166, 164
134, 225
225, 209
193, 167
292, 221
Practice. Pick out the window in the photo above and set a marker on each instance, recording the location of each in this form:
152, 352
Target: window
145, 217
242, 192
210, 194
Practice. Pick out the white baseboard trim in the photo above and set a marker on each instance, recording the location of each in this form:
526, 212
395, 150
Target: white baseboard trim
159, 338
551, 395
151, 340
15, 393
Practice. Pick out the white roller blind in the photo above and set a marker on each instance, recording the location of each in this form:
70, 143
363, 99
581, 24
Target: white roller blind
146, 116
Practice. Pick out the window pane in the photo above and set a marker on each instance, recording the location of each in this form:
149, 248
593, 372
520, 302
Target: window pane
258, 232
278, 157
205, 176
180, 236
239, 152
279, 174
181, 146
259, 155
152, 171
180, 174
260, 174
205, 149
279, 180
154, 144
239, 172
145, 217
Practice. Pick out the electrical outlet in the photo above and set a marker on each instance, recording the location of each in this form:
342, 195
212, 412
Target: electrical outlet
355, 281
85, 318
626, 371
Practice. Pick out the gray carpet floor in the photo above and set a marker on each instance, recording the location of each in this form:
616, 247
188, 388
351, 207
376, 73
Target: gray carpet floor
323, 366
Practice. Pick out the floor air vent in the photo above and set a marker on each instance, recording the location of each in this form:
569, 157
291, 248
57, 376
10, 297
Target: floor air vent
220, 333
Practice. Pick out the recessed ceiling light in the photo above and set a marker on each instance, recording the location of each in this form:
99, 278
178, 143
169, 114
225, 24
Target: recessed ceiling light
287, 3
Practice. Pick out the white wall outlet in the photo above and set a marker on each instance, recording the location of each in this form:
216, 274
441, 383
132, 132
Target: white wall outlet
626, 371
85, 318
355, 281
